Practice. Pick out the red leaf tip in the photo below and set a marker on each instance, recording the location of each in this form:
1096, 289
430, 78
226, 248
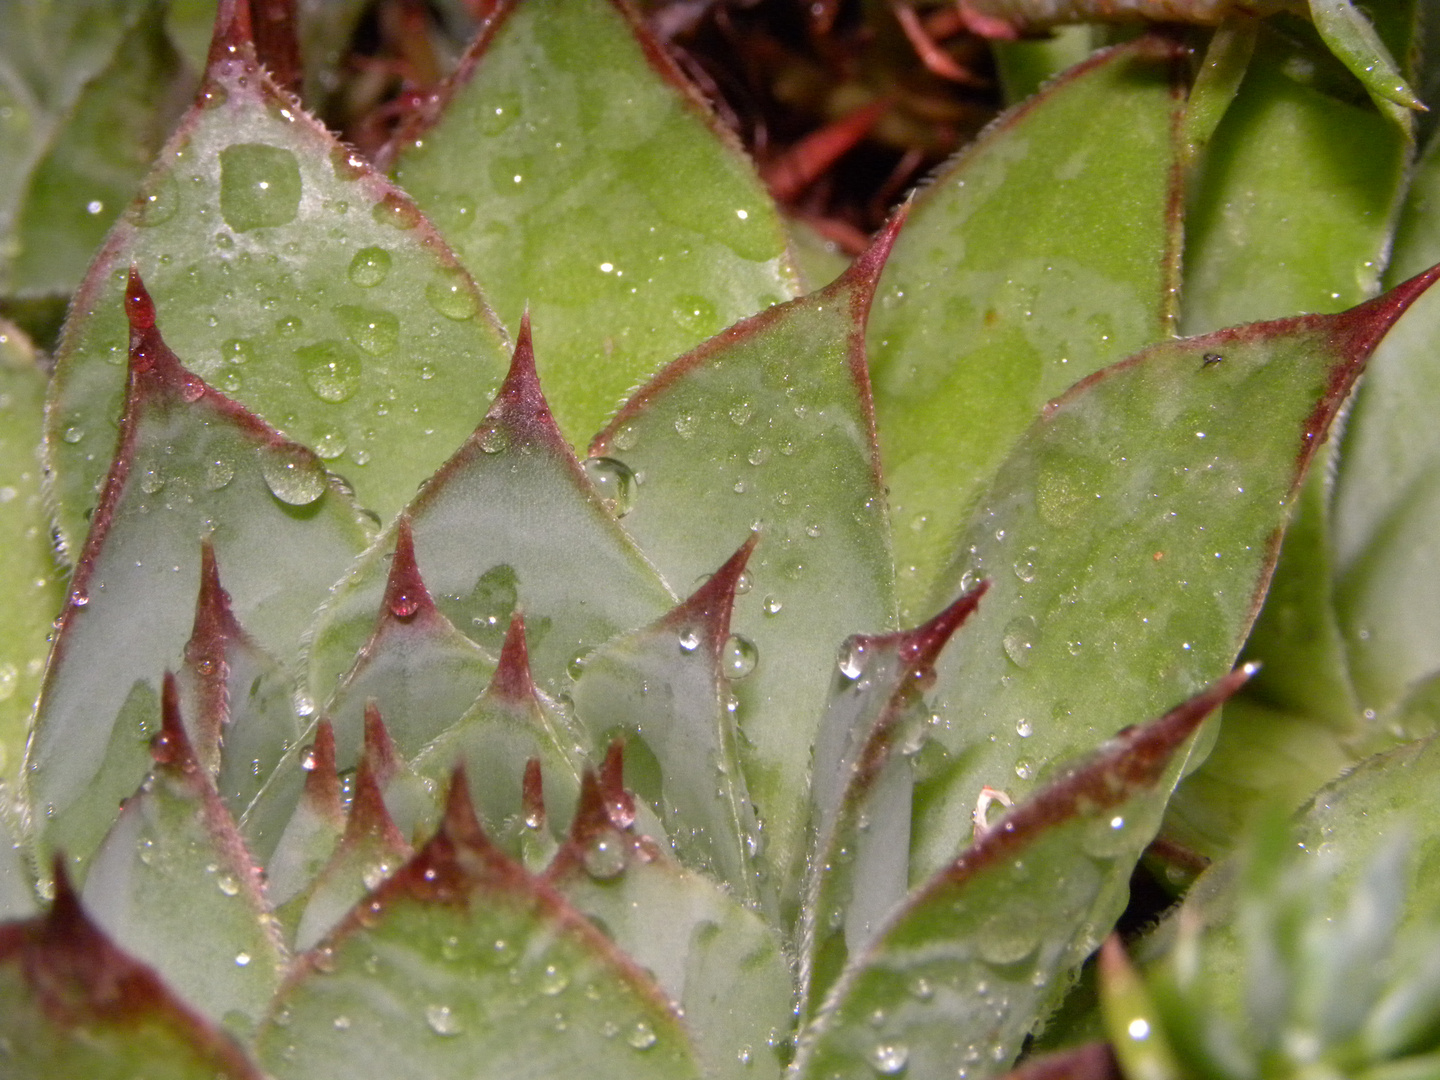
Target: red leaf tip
171, 747
706, 613
405, 593
532, 795
512, 680
139, 307
379, 752
322, 783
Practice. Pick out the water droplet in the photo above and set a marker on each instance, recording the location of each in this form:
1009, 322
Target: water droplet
341, 1023
453, 295
369, 267
73, 434
260, 186
157, 205
331, 369
218, 474
641, 1036
553, 980
813, 531
604, 858
685, 425
151, 481
614, 482
236, 351
493, 438
228, 884
852, 658
740, 413
1019, 639
1023, 728
889, 1059
293, 474
739, 657
1024, 769
373, 329
689, 640
1025, 565
441, 1020
771, 605
330, 445
396, 210
242, 959
758, 456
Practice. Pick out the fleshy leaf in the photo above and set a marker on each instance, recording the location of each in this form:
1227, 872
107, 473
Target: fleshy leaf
293, 277
307, 837
509, 727
1048, 250
88, 96
719, 962
32, 588
960, 973
768, 426
76, 1005
1352, 38
662, 691
1130, 539
604, 197
237, 696
369, 850
470, 950
175, 843
17, 897
863, 782
191, 464
483, 556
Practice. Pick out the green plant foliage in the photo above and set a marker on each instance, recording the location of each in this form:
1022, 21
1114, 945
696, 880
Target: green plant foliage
383, 735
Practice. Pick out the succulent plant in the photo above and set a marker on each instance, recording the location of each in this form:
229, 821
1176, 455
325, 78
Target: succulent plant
813, 716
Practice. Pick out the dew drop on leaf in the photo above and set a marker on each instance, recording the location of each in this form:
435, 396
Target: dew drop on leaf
739, 657
293, 474
157, 204
331, 369
369, 267
604, 858
260, 186
1019, 639
441, 1020
614, 482
452, 295
553, 980
851, 660
689, 640
889, 1059
641, 1036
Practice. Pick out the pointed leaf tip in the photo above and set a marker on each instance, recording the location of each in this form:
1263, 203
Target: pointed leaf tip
512, 680
532, 795
369, 816
379, 752
322, 782
171, 747
1362, 327
520, 405
706, 613
922, 645
139, 307
267, 34
405, 593
619, 804
864, 271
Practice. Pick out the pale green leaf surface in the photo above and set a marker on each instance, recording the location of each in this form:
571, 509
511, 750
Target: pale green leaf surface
575, 172
509, 521
88, 93
1352, 38
1129, 540
959, 974
294, 278
175, 848
719, 961
1025, 66
1222, 69
474, 961
32, 587
511, 724
768, 427
1047, 250
17, 897
861, 792
259, 725
192, 466
663, 691
296, 835
76, 1006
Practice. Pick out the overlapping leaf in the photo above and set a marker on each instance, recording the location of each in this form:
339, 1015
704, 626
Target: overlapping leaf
281, 261
1048, 250
602, 195
768, 426
1129, 540
191, 466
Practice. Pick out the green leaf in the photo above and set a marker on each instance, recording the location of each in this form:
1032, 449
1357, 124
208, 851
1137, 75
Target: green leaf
17, 896
507, 729
1049, 249
505, 523
75, 1005
768, 426
1352, 38
959, 974
463, 957
309, 827
719, 961
295, 279
175, 847
191, 465
32, 588
663, 691
1129, 540
861, 793
602, 195
88, 93
1131, 1019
